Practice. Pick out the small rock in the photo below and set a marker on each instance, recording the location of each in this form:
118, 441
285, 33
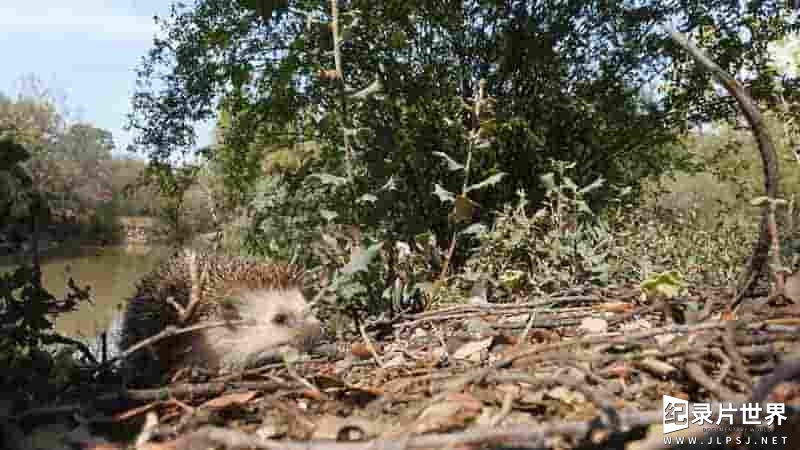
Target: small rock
593, 325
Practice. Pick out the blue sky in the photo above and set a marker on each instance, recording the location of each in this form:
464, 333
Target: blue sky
87, 51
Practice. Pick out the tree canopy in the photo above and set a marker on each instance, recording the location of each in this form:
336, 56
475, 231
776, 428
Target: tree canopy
596, 83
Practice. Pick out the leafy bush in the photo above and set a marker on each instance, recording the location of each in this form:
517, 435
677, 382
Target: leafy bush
653, 239
286, 216
32, 366
562, 244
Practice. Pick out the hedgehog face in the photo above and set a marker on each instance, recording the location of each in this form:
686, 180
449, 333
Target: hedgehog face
282, 318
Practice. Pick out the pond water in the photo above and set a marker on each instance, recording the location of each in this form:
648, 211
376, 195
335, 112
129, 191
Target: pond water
110, 272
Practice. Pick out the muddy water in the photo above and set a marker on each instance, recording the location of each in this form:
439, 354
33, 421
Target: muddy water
111, 273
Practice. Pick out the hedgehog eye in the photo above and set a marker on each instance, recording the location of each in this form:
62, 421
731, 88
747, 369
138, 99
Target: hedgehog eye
281, 319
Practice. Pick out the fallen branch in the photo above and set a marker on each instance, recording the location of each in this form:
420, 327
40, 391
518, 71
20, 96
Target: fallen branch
173, 392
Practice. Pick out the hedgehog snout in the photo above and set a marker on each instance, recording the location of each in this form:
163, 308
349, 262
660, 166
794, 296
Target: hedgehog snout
309, 333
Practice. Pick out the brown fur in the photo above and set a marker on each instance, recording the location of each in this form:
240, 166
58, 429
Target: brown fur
234, 289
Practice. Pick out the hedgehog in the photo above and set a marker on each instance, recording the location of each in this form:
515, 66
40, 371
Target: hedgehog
261, 304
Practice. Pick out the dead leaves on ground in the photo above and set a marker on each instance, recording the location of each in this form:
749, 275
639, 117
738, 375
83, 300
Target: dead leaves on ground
433, 377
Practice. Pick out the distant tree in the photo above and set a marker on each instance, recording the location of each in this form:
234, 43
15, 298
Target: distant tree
82, 141
68, 161
84, 152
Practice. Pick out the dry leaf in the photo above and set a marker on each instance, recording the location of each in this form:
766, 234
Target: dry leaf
470, 349
225, 401
456, 411
419, 333
728, 315
329, 74
463, 209
542, 335
665, 339
514, 390
397, 361
313, 394
618, 307
125, 415
657, 367
350, 392
503, 339
619, 369
360, 350
327, 382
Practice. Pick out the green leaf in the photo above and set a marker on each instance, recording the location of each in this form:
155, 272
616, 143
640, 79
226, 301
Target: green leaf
452, 165
351, 290
425, 239
549, 180
667, 284
570, 184
390, 185
492, 180
360, 261
326, 178
475, 229
443, 194
511, 277
595, 185
328, 215
583, 207
367, 198
240, 74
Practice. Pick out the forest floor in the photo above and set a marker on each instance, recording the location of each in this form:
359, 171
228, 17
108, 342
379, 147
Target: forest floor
587, 369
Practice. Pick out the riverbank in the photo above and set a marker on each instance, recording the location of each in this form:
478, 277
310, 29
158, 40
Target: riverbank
126, 230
